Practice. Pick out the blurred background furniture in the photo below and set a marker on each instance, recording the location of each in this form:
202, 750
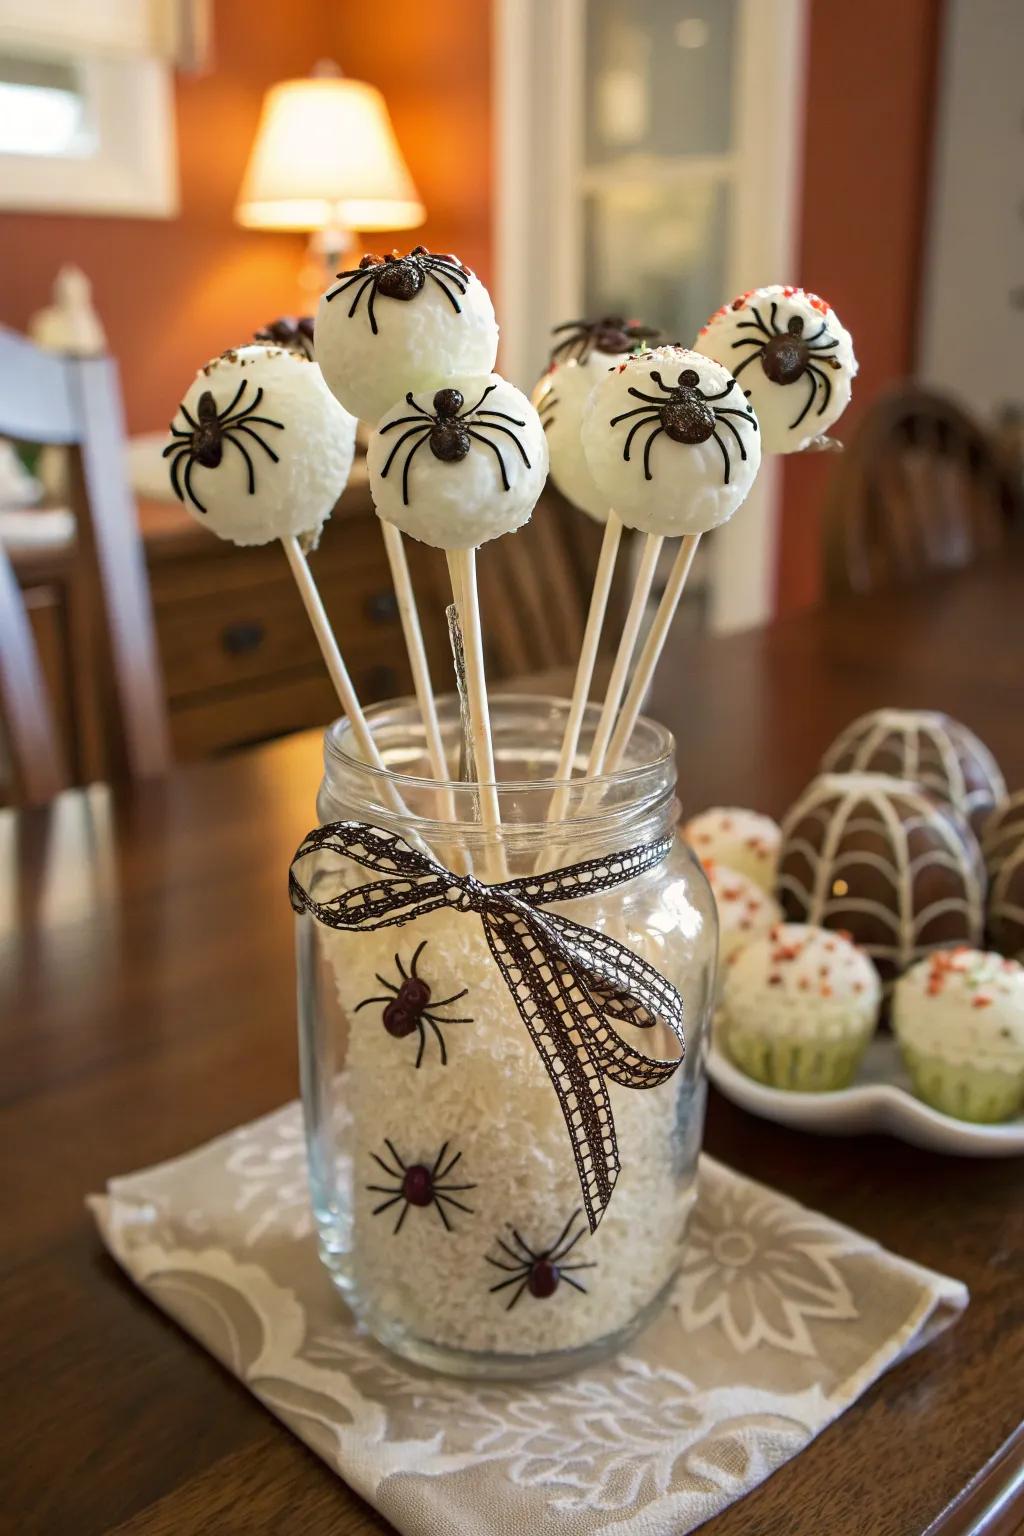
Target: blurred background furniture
238, 661
115, 697
34, 757
921, 488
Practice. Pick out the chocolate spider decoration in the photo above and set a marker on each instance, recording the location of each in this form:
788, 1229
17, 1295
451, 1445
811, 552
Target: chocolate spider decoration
403, 277
686, 415
539, 1273
787, 356
412, 1005
203, 442
546, 409
612, 335
449, 434
295, 335
419, 1185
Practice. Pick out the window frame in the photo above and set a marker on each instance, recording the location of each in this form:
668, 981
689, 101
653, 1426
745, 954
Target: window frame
133, 169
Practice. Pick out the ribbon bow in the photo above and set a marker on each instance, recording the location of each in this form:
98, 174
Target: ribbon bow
570, 984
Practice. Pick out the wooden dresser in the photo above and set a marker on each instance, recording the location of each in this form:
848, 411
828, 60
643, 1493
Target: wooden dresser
239, 660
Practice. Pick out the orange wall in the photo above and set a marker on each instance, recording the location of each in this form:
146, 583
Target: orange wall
867, 156
172, 293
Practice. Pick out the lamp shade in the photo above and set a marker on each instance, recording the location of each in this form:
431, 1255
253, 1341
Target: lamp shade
325, 154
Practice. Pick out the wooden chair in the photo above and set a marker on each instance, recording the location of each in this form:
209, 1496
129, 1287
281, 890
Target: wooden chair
920, 488
535, 589
118, 700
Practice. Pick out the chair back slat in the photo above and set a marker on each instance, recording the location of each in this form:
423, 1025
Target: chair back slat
37, 402
120, 707
921, 488
30, 738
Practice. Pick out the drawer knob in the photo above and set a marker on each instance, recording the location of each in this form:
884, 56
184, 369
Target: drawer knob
239, 639
381, 607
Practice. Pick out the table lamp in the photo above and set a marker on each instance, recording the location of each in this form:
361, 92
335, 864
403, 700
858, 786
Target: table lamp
325, 159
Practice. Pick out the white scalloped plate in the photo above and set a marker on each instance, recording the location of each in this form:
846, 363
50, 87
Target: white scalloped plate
879, 1100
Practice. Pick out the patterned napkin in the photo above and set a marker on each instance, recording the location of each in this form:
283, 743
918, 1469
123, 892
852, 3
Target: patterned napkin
780, 1320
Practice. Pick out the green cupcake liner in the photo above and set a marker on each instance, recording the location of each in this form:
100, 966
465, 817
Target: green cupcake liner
982, 1095
806, 1066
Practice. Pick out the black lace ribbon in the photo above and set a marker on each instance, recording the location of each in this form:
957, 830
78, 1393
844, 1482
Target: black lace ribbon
571, 985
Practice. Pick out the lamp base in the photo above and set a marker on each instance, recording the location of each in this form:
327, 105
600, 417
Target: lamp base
325, 253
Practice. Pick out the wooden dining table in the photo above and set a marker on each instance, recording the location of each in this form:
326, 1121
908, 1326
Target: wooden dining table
147, 1004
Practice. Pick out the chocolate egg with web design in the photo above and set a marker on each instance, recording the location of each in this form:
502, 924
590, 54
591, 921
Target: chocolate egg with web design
1002, 844
927, 747
885, 861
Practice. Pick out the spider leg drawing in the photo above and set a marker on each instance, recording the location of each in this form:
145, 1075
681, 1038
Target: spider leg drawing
419, 1185
541, 1271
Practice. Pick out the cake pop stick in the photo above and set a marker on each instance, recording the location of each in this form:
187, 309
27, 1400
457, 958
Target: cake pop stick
650, 653
261, 450
700, 452
624, 654
408, 614
480, 477
584, 351
462, 568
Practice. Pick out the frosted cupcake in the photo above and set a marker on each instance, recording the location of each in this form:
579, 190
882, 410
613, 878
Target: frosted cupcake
799, 1008
745, 912
959, 1018
743, 840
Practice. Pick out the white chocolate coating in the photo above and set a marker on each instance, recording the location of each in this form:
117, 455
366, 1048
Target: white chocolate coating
803, 983
666, 485
745, 912
418, 343
964, 1006
561, 397
817, 360
463, 502
285, 446
742, 840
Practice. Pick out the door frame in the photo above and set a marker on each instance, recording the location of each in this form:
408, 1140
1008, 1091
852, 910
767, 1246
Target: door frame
537, 70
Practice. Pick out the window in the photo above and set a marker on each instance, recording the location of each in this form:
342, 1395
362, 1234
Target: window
86, 109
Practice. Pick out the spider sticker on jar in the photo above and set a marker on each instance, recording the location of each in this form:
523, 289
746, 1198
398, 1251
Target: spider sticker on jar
540, 1272
411, 1004
419, 1185
777, 337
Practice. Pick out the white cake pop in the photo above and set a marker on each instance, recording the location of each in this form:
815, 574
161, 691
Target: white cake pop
402, 322
260, 449
740, 839
584, 350
792, 357
745, 912
456, 466
671, 442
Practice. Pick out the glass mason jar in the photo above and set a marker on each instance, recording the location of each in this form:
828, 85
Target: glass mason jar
446, 1192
